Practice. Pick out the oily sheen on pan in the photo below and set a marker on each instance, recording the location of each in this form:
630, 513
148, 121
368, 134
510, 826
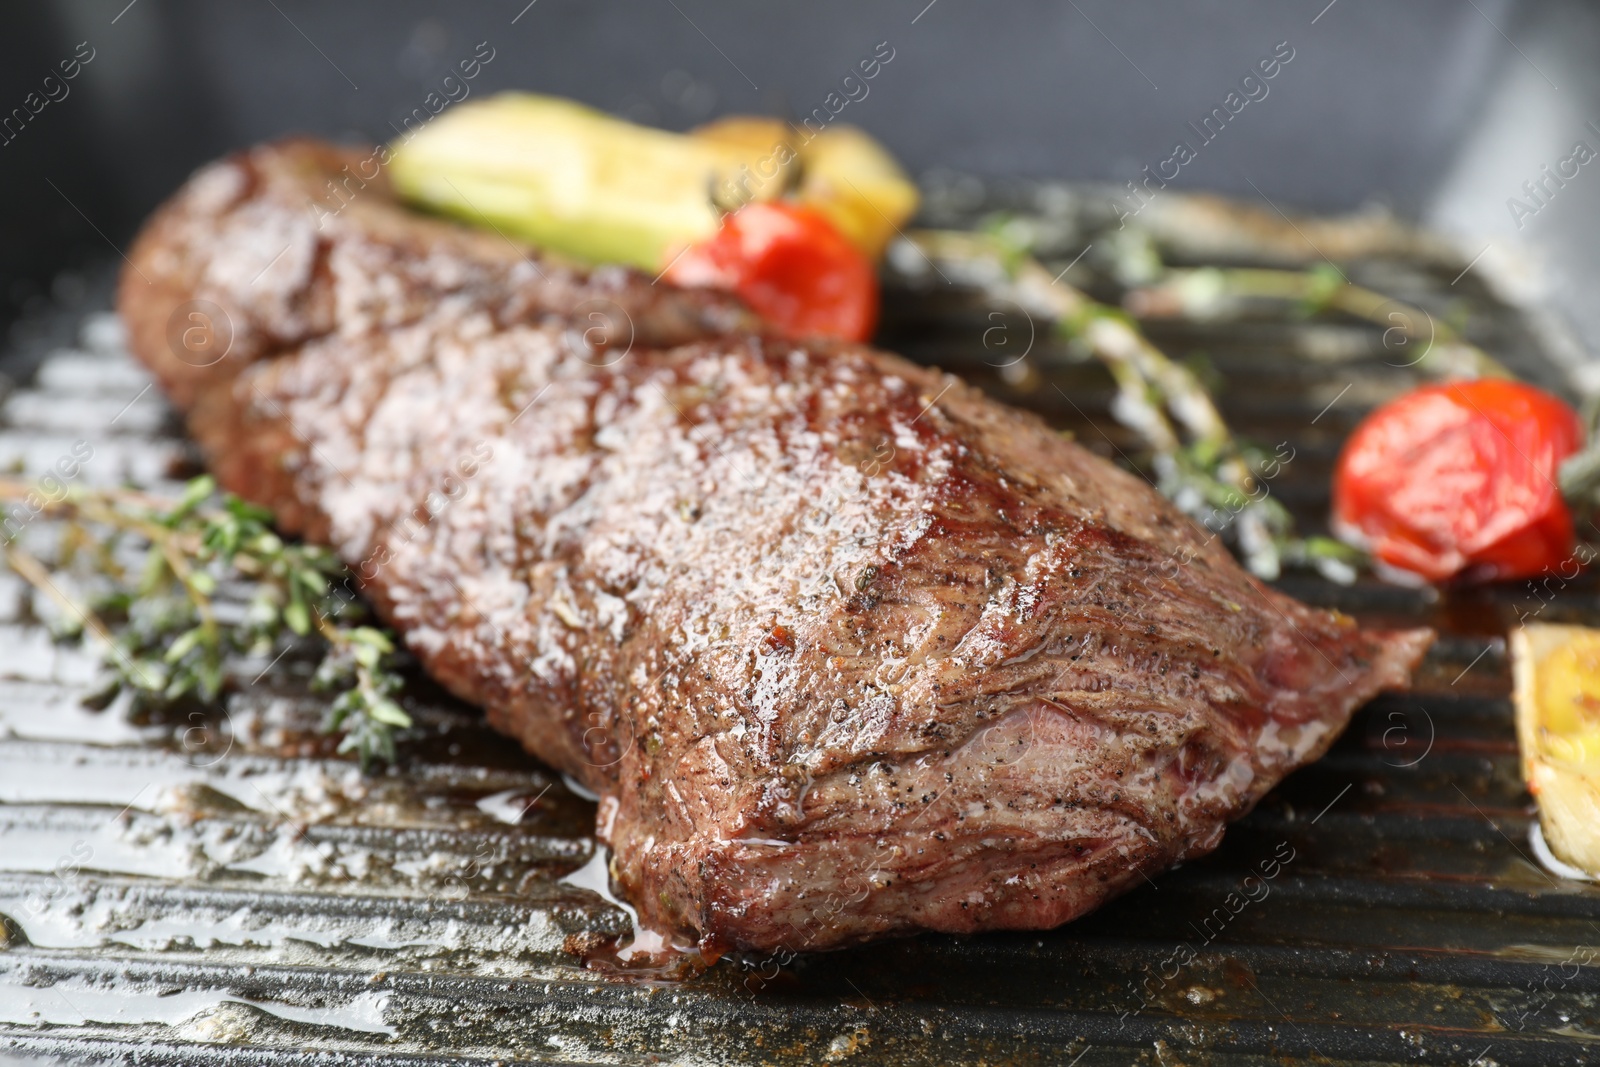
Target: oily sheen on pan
846, 648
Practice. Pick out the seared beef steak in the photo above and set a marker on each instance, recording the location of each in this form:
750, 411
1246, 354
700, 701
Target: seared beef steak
847, 648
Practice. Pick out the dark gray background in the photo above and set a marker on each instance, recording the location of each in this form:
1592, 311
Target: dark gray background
1382, 102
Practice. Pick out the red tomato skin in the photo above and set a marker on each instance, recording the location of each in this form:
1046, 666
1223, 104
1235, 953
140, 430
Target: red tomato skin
1460, 479
792, 266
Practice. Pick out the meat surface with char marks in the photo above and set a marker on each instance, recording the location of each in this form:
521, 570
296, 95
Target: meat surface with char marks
846, 648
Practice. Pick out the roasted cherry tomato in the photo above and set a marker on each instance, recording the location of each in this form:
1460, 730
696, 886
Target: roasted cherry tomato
1460, 479
792, 267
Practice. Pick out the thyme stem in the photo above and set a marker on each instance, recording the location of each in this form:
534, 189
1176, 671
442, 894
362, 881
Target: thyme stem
1222, 292
28, 567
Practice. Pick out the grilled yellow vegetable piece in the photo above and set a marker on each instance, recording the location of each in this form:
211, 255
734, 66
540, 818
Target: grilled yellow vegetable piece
855, 182
844, 174
570, 178
764, 143
1557, 693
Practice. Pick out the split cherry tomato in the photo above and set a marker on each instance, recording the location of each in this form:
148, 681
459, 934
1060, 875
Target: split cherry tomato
792, 267
1460, 479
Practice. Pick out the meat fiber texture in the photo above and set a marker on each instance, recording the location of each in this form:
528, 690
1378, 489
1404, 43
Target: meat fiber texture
846, 648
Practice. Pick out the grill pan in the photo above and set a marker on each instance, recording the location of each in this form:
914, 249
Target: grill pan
216, 888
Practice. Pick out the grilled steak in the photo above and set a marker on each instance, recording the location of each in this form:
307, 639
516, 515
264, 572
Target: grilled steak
846, 648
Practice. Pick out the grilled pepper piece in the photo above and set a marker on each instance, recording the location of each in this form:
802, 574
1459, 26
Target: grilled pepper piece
845, 175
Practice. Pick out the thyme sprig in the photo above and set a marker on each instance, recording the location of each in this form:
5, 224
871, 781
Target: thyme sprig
213, 581
1199, 464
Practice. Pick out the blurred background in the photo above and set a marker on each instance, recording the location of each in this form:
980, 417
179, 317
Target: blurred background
1437, 109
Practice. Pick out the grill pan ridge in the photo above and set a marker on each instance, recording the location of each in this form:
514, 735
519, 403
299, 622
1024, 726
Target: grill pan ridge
219, 888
